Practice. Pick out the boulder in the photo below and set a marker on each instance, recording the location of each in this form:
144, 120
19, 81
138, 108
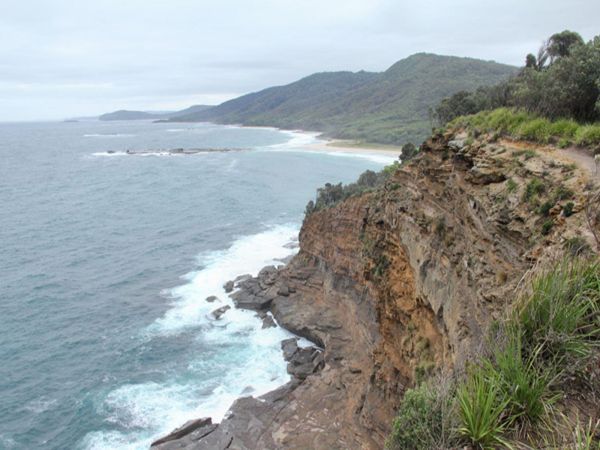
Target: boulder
228, 286
305, 362
241, 278
268, 322
217, 313
289, 347
484, 175
247, 300
212, 298
283, 290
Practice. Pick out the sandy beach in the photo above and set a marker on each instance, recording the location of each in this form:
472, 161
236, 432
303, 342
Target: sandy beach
354, 147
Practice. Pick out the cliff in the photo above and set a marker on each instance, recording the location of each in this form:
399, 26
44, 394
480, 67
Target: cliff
401, 282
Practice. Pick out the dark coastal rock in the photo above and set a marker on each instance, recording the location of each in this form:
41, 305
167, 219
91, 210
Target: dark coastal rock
218, 313
267, 320
212, 298
289, 347
256, 293
267, 276
305, 362
228, 286
202, 427
241, 278
283, 290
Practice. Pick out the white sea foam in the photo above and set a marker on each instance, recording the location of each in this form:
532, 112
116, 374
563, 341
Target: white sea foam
247, 359
297, 140
109, 154
247, 255
109, 135
303, 141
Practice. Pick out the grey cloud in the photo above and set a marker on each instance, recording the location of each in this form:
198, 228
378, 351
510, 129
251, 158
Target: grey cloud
88, 57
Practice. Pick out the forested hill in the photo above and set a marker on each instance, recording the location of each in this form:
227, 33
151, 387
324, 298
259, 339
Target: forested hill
386, 107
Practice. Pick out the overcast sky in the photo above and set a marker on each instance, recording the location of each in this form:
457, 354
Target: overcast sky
61, 58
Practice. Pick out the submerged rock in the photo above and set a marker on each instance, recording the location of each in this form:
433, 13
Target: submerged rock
218, 313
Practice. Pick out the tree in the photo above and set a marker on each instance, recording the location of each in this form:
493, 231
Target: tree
560, 44
409, 151
530, 61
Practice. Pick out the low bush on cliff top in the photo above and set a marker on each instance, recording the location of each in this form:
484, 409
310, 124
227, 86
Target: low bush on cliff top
519, 124
331, 194
510, 395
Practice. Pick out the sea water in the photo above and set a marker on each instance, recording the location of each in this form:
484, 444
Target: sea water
106, 260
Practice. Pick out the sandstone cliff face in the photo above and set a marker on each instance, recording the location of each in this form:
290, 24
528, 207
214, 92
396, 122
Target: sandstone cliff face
398, 283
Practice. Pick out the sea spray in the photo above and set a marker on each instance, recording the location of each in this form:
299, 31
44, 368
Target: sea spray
238, 356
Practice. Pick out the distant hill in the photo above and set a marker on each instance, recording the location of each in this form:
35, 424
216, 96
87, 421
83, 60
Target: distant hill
387, 107
129, 115
148, 115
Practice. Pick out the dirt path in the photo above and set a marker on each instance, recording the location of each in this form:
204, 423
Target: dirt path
580, 157
572, 155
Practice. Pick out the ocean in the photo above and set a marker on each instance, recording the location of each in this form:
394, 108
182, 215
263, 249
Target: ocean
106, 261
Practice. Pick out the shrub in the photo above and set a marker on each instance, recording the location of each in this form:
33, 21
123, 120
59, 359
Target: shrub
560, 322
547, 227
563, 193
511, 186
425, 419
391, 168
481, 406
568, 209
525, 386
544, 210
588, 135
331, 194
563, 143
534, 188
409, 151
563, 128
577, 246
535, 130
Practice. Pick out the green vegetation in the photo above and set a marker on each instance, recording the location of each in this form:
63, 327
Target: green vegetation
481, 407
547, 226
409, 151
509, 398
391, 107
426, 418
577, 246
560, 322
568, 209
534, 188
519, 124
331, 194
557, 84
555, 98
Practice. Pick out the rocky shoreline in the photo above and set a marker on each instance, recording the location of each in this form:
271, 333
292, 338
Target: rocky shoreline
392, 286
258, 294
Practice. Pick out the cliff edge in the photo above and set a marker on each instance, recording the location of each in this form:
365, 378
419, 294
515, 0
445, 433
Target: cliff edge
401, 282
